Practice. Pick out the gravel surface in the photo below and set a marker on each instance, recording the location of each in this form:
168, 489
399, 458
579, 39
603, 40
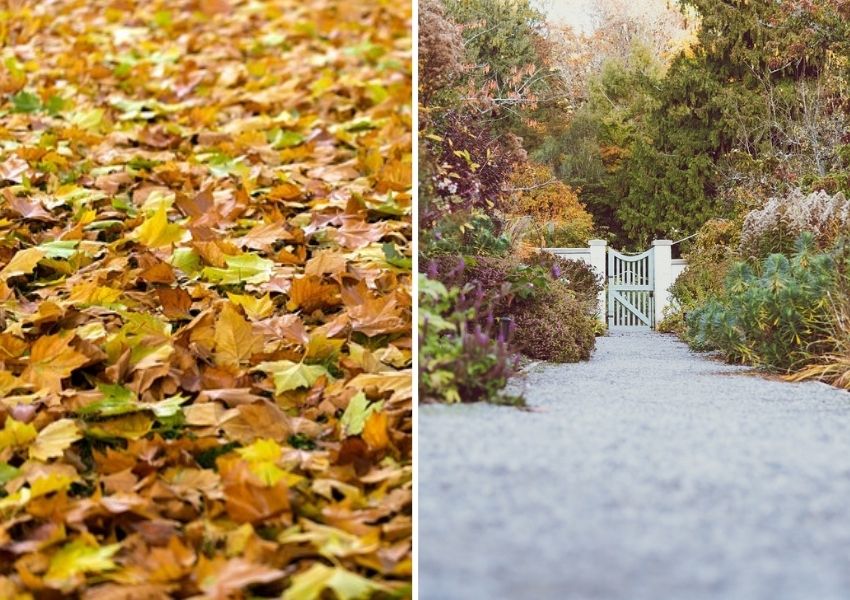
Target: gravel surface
648, 473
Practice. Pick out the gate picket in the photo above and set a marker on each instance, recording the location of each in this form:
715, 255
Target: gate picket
630, 289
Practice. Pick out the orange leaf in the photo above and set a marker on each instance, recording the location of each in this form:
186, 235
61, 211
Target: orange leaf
375, 431
52, 358
309, 293
175, 302
247, 498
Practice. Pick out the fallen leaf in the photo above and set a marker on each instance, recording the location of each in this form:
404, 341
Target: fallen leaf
235, 575
23, 263
69, 564
290, 375
156, 231
13, 168
235, 341
359, 409
54, 439
312, 583
52, 359
15, 434
310, 293
375, 430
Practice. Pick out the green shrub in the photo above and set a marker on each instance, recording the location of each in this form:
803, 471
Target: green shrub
464, 233
833, 364
774, 317
710, 257
576, 274
501, 281
555, 326
459, 360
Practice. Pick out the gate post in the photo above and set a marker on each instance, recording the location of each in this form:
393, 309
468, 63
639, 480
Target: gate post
598, 251
662, 251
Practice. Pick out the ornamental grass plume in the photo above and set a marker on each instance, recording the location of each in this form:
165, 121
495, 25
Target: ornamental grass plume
776, 226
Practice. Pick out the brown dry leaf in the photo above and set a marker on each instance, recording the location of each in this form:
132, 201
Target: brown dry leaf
219, 578
376, 316
247, 498
175, 302
326, 263
309, 293
261, 420
13, 168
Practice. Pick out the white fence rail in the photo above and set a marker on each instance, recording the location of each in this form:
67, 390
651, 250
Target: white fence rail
666, 270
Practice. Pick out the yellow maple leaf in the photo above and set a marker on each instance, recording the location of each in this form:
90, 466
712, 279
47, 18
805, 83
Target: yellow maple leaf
70, 563
90, 293
255, 308
59, 477
52, 358
262, 456
54, 439
156, 231
22, 263
234, 338
15, 433
310, 584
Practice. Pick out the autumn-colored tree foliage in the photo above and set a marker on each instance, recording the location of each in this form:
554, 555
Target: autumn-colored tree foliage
205, 299
757, 106
557, 216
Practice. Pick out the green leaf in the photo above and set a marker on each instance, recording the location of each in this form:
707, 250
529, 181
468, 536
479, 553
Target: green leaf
88, 119
359, 125
357, 413
54, 105
59, 248
117, 400
244, 268
285, 139
393, 257
8, 473
376, 93
166, 408
162, 18
25, 102
187, 260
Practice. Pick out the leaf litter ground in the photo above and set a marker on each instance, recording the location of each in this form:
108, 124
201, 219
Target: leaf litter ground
205, 299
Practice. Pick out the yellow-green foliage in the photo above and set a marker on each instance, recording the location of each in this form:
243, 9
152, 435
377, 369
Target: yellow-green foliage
712, 253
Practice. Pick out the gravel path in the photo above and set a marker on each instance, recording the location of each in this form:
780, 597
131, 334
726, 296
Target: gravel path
648, 473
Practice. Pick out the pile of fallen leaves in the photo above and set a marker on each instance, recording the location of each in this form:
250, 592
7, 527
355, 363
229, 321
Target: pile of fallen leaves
205, 304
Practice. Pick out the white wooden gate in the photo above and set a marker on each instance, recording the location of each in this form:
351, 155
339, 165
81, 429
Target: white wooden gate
630, 290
